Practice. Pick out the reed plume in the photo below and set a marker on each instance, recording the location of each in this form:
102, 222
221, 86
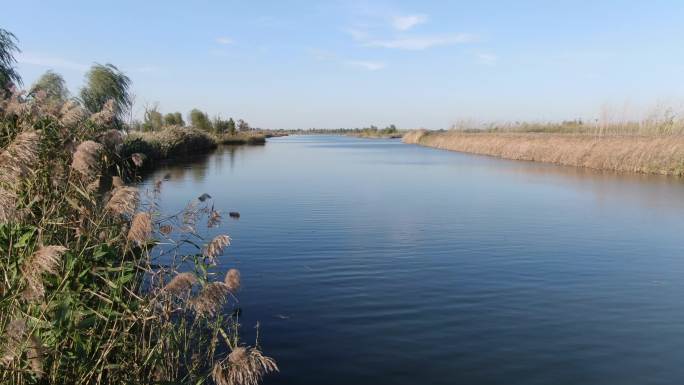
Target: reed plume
16, 163
216, 246
232, 280
16, 341
141, 228
214, 218
138, 159
244, 366
111, 139
44, 261
123, 201
13, 338
106, 116
86, 159
71, 113
181, 283
210, 300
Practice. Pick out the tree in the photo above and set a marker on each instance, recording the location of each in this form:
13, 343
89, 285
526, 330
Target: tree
174, 119
103, 83
231, 126
200, 120
242, 125
153, 119
8, 73
53, 85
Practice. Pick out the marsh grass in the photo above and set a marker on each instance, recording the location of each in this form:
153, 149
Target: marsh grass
96, 285
650, 154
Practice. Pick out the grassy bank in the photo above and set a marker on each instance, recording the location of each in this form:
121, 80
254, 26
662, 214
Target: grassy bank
651, 154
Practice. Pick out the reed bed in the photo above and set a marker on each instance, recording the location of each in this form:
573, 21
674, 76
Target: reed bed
96, 285
650, 154
240, 138
170, 142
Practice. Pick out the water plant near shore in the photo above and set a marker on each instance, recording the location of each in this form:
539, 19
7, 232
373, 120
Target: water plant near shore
96, 285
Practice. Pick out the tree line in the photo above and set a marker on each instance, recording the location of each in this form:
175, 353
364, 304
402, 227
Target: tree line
104, 83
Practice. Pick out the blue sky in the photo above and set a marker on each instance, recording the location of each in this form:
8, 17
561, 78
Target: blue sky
302, 64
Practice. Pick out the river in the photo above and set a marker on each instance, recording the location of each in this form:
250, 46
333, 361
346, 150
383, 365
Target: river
375, 262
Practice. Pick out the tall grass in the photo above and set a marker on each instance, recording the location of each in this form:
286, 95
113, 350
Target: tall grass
650, 154
96, 285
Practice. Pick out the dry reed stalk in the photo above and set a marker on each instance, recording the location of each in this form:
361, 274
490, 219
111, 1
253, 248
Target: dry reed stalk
141, 228
232, 280
123, 201
45, 260
244, 366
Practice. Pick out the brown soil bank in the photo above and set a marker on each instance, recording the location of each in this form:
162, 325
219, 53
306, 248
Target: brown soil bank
642, 154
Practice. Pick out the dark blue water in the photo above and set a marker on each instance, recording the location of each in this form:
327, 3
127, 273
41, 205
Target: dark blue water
376, 262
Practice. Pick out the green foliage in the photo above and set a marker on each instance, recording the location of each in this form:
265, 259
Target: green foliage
104, 83
53, 85
174, 119
8, 73
200, 120
242, 125
153, 119
222, 126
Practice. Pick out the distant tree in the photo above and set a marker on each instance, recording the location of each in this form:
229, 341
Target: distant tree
53, 85
153, 119
242, 125
231, 127
220, 125
105, 82
8, 73
391, 129
200, 120
174, 119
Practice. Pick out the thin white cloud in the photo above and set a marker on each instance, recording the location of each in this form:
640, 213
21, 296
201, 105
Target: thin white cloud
421, 43
50, 61
225, 40
488, 59
367, 65
404, 23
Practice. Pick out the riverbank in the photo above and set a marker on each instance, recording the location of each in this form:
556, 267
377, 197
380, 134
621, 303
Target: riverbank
173, 143
652, 154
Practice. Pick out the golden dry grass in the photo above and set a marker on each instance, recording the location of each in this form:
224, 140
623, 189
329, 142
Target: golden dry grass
663, 154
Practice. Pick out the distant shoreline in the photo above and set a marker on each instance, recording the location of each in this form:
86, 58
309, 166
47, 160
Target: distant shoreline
646, 154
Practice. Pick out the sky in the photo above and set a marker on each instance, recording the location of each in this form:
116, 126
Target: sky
352, 63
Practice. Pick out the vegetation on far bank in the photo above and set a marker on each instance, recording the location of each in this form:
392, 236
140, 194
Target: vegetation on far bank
96, 285
650, 147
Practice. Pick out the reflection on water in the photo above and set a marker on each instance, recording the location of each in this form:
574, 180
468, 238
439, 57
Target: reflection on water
375, 262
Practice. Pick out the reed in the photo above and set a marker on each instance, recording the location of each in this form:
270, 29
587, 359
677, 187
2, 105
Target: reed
649, 154
89, 294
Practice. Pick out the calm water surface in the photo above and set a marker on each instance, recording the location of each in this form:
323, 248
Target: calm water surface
375, 262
